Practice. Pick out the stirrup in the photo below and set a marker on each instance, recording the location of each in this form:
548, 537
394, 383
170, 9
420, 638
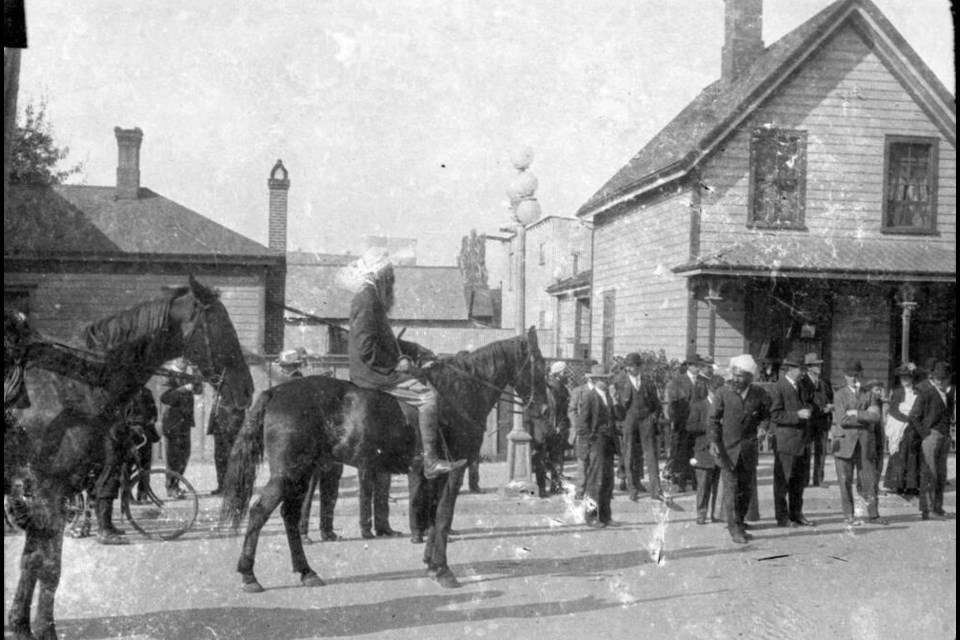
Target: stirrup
435, 467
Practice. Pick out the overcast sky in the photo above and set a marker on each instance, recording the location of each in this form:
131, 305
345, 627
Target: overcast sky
394, 118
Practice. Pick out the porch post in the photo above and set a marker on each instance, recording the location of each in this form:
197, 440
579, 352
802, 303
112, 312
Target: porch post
712, 298
908, 304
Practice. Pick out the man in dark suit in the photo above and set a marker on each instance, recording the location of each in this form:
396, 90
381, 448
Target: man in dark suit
791, 420
595, 424
736, 417
856, 416
640, 405
178, 420
581, 448
704, 464
680, 392
931, 416
817, 394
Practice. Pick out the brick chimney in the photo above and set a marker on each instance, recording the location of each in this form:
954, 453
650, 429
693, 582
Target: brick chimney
279, 185
275, 294
743, 37
128, 162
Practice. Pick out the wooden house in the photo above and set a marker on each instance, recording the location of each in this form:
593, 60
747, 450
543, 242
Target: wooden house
806, 199
73, 254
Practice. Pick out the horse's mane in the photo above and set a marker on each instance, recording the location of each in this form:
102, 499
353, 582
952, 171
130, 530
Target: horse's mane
487, 360
147, 319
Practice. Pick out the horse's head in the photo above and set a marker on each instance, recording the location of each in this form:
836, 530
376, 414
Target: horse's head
211, 343
530, 380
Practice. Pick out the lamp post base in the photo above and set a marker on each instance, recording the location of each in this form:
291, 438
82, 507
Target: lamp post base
519, 465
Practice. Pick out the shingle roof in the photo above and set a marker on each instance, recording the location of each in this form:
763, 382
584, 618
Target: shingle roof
423, 293
886, 257
84, 220
703, 123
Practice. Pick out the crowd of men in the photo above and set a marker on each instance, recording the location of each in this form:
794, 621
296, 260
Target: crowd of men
712, 426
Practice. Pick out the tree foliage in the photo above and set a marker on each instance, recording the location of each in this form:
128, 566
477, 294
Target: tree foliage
472, 260
35, 157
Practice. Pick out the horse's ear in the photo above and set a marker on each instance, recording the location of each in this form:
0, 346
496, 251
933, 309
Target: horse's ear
205, 295
532, 337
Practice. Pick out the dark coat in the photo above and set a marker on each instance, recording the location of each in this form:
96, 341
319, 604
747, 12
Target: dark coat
791, 432
698, 425
735, 422
816, 396
640, 407
178, 418
679, 392
861, 428
141, 411
596, 419
559, 400
374, 350
930, 412
577, 397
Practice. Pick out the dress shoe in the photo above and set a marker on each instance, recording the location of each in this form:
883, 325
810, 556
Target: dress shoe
641, 488
783, 523
853, 522
596, 524
416, 538
803, 522
216, 491
933, 515
305, 539
635, 496
878, 520
388, 533
941, 512
610, 523
328, 536
701, 519
739, 538
366, 534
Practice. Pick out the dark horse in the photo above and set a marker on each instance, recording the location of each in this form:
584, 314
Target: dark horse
75, 395
316, 420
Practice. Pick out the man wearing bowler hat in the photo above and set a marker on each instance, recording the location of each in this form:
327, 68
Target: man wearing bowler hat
595, 423
817, 394
856, 414
736, 416
791, 420
640, 405
680, 393
931, 416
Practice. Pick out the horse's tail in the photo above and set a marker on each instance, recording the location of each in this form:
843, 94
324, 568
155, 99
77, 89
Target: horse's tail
245, 459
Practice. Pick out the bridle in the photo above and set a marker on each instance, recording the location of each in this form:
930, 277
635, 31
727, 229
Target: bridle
214, 379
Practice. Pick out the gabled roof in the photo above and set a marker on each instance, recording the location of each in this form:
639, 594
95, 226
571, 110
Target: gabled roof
423, 293
72, 220
720, 107
810, 256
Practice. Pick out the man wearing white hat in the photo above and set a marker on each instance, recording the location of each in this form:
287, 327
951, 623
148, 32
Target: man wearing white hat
378, 360
736, 416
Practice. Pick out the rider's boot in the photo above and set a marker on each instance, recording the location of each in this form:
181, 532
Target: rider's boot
432, 464
108, 533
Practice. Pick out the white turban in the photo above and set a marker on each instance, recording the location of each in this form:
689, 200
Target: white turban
743, 364
558, 367
366, 269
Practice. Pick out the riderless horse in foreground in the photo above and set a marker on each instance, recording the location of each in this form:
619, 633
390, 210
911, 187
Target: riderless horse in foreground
75, 396
307, 422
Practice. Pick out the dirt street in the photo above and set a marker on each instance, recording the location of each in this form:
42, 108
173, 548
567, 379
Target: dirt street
529, 570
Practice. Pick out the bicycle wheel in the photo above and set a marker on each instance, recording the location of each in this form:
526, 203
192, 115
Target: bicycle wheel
161, 518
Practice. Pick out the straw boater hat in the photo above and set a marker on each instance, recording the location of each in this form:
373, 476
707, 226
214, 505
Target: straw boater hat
597, 371
557, 368
289, 358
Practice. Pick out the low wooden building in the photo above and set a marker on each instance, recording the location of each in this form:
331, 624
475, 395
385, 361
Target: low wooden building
73, 254
806, 199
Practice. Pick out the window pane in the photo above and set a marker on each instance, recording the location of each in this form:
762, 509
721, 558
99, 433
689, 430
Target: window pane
909, 185
777, 177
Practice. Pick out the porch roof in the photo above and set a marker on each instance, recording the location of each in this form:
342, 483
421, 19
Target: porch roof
577, 284
825, 257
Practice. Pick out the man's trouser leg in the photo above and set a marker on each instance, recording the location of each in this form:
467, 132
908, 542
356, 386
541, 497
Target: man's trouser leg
933, 450
594, 480
582, 449
416, 485
845, 468
365, 482
631, 458
648, 444
145, 454
424, 397
605, 493
107, 486
381, 502
178, 454
538, 461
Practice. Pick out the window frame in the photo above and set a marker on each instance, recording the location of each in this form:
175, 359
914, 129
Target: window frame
888, 141
800, 223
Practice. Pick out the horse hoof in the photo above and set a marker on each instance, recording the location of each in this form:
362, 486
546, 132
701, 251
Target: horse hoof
446, 579
312, 580
253, 587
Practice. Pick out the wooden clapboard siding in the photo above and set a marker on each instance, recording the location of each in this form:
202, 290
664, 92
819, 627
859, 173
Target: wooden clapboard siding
633, 253
730, 327
860, 330
61, 304
847, 101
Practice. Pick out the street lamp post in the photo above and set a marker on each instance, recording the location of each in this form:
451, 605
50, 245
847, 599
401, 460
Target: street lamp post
524, 210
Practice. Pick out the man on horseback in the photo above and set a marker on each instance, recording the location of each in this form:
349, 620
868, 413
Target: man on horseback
378, 360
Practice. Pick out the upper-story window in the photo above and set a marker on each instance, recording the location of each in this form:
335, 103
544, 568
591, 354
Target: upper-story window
910, 185
543, 253
778, 167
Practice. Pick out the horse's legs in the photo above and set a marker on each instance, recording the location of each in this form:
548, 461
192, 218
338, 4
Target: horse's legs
290, 510
260, 509
437, 545
49, 576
